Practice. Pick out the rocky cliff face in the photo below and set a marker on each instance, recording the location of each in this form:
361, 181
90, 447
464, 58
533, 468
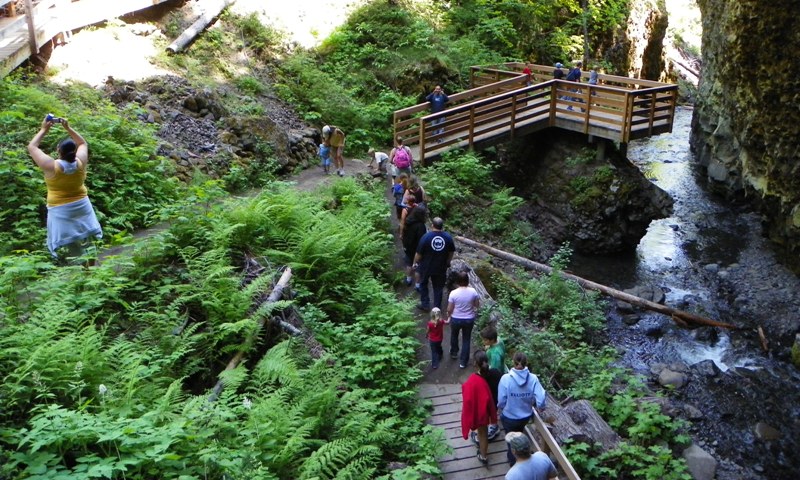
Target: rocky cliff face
746, 127
639, 50
600, 206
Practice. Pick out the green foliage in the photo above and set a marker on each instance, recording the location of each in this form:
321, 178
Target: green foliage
257, 37
108, 370
118, 142
250, 85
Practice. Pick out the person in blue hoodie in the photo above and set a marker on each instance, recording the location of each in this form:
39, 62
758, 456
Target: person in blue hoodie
519, 391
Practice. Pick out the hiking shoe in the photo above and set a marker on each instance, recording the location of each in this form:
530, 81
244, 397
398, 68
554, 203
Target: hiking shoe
493, 431
462, 366
409, 282
454, 356
423, 307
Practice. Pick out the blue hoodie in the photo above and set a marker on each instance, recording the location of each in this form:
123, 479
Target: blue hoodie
517, 393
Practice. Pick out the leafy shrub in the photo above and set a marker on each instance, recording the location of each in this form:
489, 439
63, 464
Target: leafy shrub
127, 182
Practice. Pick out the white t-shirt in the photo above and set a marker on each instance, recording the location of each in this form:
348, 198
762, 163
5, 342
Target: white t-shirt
462, 298
381, 157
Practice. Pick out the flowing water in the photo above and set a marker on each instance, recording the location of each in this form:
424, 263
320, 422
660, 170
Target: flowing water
710, 258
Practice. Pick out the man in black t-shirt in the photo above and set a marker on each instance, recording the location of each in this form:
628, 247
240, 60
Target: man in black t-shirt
434, 253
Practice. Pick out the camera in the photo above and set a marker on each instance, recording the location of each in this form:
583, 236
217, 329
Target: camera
51, 118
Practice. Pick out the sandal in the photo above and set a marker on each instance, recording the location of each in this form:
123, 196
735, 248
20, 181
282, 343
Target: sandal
483, 460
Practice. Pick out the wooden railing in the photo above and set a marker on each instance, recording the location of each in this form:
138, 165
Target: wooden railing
551, 447
501, 106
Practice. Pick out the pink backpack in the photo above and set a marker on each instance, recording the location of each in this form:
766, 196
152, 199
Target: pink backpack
402, 157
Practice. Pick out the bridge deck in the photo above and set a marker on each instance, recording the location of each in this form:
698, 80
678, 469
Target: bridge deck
51, 17
503, 106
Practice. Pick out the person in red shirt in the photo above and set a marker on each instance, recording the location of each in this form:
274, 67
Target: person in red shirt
527, 72
478, 409
435, 336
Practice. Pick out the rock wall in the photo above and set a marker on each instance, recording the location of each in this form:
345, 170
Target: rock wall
600, 206
746, 127
639, 51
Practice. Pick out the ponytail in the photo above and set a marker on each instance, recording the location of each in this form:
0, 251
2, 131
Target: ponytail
67, 150
481, 363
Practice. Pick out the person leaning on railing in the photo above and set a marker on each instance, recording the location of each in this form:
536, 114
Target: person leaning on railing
71, 219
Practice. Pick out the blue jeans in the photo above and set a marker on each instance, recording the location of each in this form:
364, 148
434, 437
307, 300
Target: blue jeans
465, 327
436, 353
513, 425
438, 286
438, 121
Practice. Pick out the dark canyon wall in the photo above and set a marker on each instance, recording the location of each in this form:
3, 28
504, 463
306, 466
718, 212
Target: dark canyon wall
746, 126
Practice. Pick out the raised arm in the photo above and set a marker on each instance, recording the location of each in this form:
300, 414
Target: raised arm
42, 160
82, 153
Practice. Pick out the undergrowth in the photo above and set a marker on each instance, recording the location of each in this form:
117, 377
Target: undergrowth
108, 370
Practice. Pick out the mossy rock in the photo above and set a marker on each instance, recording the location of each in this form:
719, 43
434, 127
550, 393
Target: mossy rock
796, 351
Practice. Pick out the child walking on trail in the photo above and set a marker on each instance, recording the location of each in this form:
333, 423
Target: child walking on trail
435, 336
495, 349
496, 353
325, 157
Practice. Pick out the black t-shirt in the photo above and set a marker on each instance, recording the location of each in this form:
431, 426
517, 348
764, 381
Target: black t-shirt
435, 247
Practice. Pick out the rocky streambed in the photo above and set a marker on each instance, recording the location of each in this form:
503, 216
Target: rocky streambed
710, 258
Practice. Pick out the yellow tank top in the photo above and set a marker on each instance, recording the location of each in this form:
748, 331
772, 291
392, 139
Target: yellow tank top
65, 188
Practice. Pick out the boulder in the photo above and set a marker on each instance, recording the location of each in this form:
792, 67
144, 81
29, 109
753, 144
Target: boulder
701, 464
706, 368
692, 412
766, 432
671, 378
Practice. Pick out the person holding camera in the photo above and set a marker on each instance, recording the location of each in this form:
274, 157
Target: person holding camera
71, 219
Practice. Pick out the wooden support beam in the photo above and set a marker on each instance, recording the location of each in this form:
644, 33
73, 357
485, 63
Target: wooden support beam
34, 46
677, 316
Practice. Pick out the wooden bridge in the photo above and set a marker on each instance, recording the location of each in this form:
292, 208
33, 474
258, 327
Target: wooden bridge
22, 35
462, 463
500, 106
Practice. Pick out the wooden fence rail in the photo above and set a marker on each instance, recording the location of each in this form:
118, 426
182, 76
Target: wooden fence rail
501, 105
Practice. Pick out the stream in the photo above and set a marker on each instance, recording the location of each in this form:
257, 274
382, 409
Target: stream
710, 258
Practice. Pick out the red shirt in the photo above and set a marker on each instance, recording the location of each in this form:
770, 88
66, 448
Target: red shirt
477, 405
435, 333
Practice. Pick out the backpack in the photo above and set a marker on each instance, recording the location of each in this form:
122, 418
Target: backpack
402, 157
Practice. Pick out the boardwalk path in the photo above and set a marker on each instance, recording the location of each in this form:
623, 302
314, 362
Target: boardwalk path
463, 463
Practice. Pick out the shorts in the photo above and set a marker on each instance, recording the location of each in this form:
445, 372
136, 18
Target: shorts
393, 170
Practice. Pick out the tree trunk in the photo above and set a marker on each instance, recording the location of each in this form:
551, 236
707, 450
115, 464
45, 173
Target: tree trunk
211, 12
678, 316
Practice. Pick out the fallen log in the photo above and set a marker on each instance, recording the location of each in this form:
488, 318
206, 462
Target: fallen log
211, 12
579, 422
675, 314
273, 297
475, 282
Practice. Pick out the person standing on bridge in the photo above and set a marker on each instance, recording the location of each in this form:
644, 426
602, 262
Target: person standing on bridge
558, 74
518, 392
527, 467
574, 75
438, 99
71, 219
477, 406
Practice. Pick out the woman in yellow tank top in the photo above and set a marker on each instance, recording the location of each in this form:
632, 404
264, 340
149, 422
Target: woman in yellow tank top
71, 219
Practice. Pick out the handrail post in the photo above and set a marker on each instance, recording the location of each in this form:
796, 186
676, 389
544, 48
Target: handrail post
422, 142
513, 115
470, 139
653, 97
627, 123
553, 103
31, 28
